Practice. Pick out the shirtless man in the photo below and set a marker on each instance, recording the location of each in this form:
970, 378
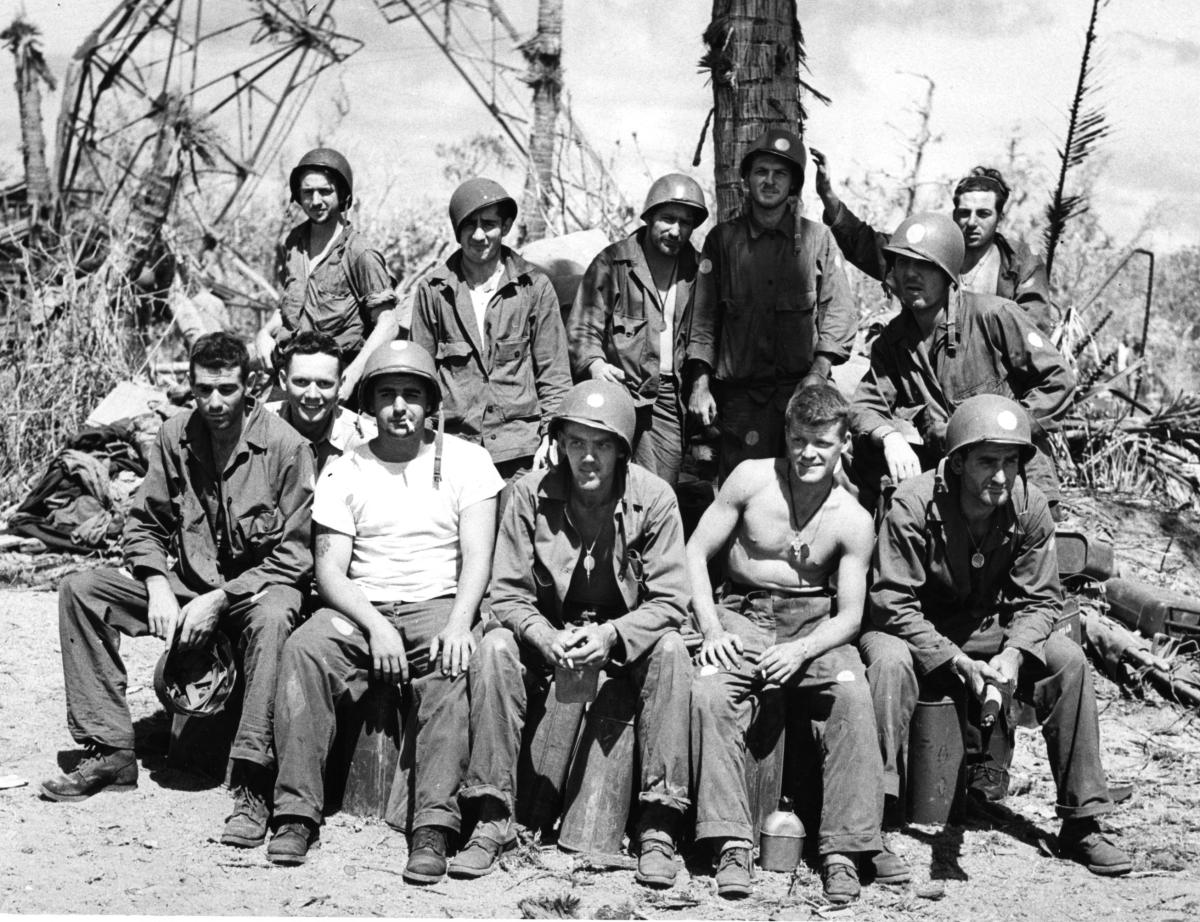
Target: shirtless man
775, 631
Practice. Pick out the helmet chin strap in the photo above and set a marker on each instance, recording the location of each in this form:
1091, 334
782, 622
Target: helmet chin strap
953, 336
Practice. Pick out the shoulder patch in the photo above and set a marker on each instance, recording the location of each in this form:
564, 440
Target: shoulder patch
705, 266
1035, 339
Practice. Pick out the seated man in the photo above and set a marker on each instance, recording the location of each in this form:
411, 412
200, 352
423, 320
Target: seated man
218, 536
965, 593
945, 345
588, 574
310, 373
405, 529
791, 532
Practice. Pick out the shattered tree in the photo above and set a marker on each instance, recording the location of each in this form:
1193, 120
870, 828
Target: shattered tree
24, 41
754, 52
544, 54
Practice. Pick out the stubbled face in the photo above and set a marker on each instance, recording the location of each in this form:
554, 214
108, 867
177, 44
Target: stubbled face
220, 397
768, 180
593, 455
987, 472
976, 215
814, 451
480, 236
671, 227
400, 403
319, 197
311, 384
921, 284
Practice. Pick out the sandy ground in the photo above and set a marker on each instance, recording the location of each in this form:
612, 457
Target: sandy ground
155, 850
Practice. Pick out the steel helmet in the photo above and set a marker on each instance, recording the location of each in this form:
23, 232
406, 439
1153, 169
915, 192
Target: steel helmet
932, 237
196, 682
781, 143
677, 188
601, 405
328, 161
478, 193
400, 357
989, 418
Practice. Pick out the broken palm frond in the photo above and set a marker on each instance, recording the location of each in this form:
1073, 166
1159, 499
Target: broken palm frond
1090, 336
1125, 656
1086, 127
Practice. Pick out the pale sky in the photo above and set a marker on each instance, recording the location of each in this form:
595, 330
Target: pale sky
1001, 67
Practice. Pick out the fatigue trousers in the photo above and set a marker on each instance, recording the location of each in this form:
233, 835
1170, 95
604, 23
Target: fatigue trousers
658, 439
327, 662
1060, 691
505, 675
751, 420
96, 607
832, 688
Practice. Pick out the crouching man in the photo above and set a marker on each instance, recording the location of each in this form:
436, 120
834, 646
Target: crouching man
777, 634
588, 573
965, 594
405, 526
218, 535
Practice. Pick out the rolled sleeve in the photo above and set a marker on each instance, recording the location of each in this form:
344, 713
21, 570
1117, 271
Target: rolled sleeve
373, 282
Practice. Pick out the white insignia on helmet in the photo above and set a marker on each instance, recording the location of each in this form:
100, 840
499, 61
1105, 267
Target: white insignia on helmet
705, 266
595, 400
915, 234
1007, 420
782, 144
399, 345
1034, 340
752, 437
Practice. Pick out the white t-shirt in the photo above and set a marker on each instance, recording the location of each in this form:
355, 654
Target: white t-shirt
481, 297
406, 546
666, 339
982, 279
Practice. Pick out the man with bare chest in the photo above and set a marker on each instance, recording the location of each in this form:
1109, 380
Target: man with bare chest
778, 634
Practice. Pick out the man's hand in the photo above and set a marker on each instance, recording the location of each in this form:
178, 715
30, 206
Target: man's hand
601, 370
199, 618
975, 673
902, 461
163, 608
588, 643
701, 403
1008, 664
822, 184
721, 648
349, 382
780, 662
264, 345
541, 457
388, 659
455, 646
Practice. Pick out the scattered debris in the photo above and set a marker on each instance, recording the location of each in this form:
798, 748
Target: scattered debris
562, 906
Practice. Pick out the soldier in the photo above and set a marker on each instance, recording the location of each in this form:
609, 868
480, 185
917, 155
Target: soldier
628, 321
310, 373
775, 633
588, 575
964, 595
218, 537
405, 530
945, 345
332, 281
992, 264
772, 308
492, 322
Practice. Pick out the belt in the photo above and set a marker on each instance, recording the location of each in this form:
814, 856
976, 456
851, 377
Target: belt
735, 588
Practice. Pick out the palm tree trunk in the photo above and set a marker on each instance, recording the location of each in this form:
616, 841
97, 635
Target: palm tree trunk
31, 70
544, 54
754, 54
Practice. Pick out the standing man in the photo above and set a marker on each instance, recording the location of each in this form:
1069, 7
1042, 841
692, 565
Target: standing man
628, 322
310, 373
775, 635
405, 530
992, 264
332, 281
945, 345
492, 322
588, 575
964, 595
772, 308
218, 538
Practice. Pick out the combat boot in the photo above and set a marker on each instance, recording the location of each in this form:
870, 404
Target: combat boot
246, 826
656, 847
102, 768
426, 856
492, 836
1083, 840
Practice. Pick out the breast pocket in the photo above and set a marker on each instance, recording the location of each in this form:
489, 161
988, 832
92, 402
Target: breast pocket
628, 334
512, 379
257, 531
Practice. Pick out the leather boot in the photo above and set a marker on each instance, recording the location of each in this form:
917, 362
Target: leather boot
426, 856
246, 826
102, 768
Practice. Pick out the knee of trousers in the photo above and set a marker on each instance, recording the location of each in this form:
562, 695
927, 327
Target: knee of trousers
1065, 659
671, 652
73, 594
497, 655
271, 619
306, 646
888, 661
712, 699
